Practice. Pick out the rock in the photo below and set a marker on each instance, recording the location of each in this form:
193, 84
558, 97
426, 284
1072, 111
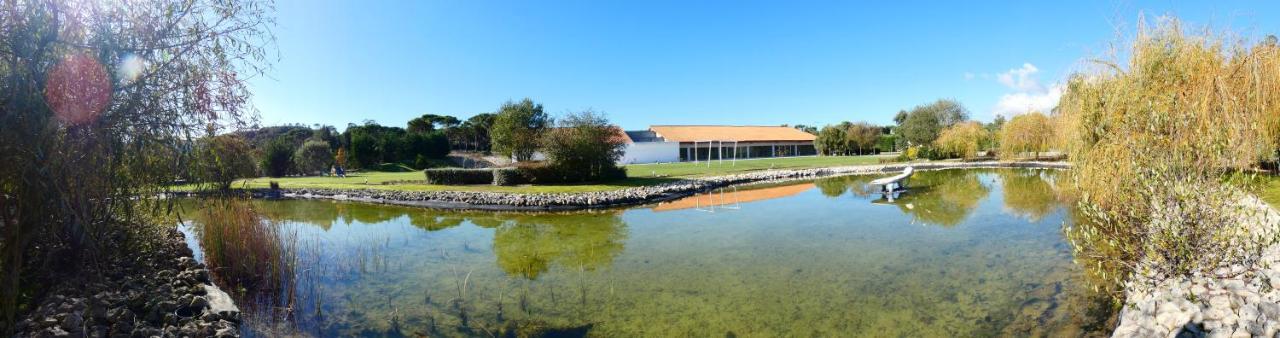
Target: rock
73, 322
1220, 302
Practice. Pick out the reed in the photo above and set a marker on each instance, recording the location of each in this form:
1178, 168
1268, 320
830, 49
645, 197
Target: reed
247, 252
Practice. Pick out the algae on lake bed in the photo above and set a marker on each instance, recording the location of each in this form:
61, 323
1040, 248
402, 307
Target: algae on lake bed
963, 253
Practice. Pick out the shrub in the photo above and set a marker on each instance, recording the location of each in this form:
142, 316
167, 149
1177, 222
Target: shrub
458, 176
277, 158
223, 159
583, 148
538, 173
507, 176
313, 157
1155, 147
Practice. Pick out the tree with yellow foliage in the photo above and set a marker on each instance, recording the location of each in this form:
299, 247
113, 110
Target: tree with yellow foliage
962, 139
1026, 133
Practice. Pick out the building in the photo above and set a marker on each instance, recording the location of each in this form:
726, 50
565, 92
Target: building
700, 143
643, 146
668, 143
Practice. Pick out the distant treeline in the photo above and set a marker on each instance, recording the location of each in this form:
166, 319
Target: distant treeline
423, 142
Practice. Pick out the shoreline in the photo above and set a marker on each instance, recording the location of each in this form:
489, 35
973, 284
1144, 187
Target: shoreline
165, 292
506, 201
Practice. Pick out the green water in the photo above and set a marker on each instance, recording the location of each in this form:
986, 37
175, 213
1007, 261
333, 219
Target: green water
962, 253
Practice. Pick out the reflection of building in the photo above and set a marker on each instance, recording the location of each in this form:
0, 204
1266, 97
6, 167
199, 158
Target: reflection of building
665, 143
722, 198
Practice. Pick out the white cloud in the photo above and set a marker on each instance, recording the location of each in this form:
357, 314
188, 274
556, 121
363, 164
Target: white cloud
1021, 79
1028, 93
968, 76
1022, 102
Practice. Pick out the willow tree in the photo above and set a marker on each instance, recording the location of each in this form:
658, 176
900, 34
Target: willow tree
1157, 141
962, 139
99, 104
1027, 133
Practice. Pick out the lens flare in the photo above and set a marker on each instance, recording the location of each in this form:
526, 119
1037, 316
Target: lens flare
77, 89
130, 68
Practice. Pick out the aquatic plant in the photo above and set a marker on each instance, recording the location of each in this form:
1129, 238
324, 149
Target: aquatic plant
248, 252
1156, 141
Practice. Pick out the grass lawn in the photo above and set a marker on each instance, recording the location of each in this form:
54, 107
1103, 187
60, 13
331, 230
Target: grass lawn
639, 175
1270, 191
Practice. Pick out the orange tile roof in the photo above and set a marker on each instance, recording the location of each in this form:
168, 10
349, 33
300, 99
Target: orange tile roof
730, 133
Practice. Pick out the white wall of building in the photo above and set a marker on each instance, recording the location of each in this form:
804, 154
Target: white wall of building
650, 152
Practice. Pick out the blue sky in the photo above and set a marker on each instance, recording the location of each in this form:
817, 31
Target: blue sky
695, 62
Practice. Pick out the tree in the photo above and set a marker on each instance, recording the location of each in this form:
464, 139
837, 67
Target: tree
100, 103
431, 145
807, 129
962, 139
364, 149
517, 128
861, 136
431, 122
277, 157
923, 123
900, 117
223, 159
584, 147
831, 141
313, 157
1026, 133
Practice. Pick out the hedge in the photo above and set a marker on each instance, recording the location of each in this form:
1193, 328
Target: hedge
457, 176
507, 176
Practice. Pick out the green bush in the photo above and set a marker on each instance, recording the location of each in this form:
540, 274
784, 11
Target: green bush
507, 176
538, 173
458, 176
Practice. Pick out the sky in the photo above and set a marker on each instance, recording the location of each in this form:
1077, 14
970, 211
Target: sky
648, 62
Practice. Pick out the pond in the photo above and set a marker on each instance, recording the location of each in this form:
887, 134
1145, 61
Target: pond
961, 253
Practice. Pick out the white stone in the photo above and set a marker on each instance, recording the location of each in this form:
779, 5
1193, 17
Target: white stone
1221, 302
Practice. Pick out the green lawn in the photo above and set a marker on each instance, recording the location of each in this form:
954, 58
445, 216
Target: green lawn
639, 175
1270, 190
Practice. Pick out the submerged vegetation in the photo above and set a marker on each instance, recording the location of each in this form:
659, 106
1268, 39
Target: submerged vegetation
1158, 141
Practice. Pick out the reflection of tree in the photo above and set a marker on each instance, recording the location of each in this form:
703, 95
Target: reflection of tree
431, 220
322, 214
529, 244
942, 197
525, 244
836, 186
1027, 193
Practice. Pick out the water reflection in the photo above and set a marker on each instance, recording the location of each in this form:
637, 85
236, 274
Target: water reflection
527, 245
942, 197
787, 260
1029, 193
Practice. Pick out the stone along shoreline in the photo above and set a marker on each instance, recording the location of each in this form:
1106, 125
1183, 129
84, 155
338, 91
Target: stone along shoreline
160, 293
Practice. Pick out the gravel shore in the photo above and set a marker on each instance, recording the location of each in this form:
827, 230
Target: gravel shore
1247, 305
160, 293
